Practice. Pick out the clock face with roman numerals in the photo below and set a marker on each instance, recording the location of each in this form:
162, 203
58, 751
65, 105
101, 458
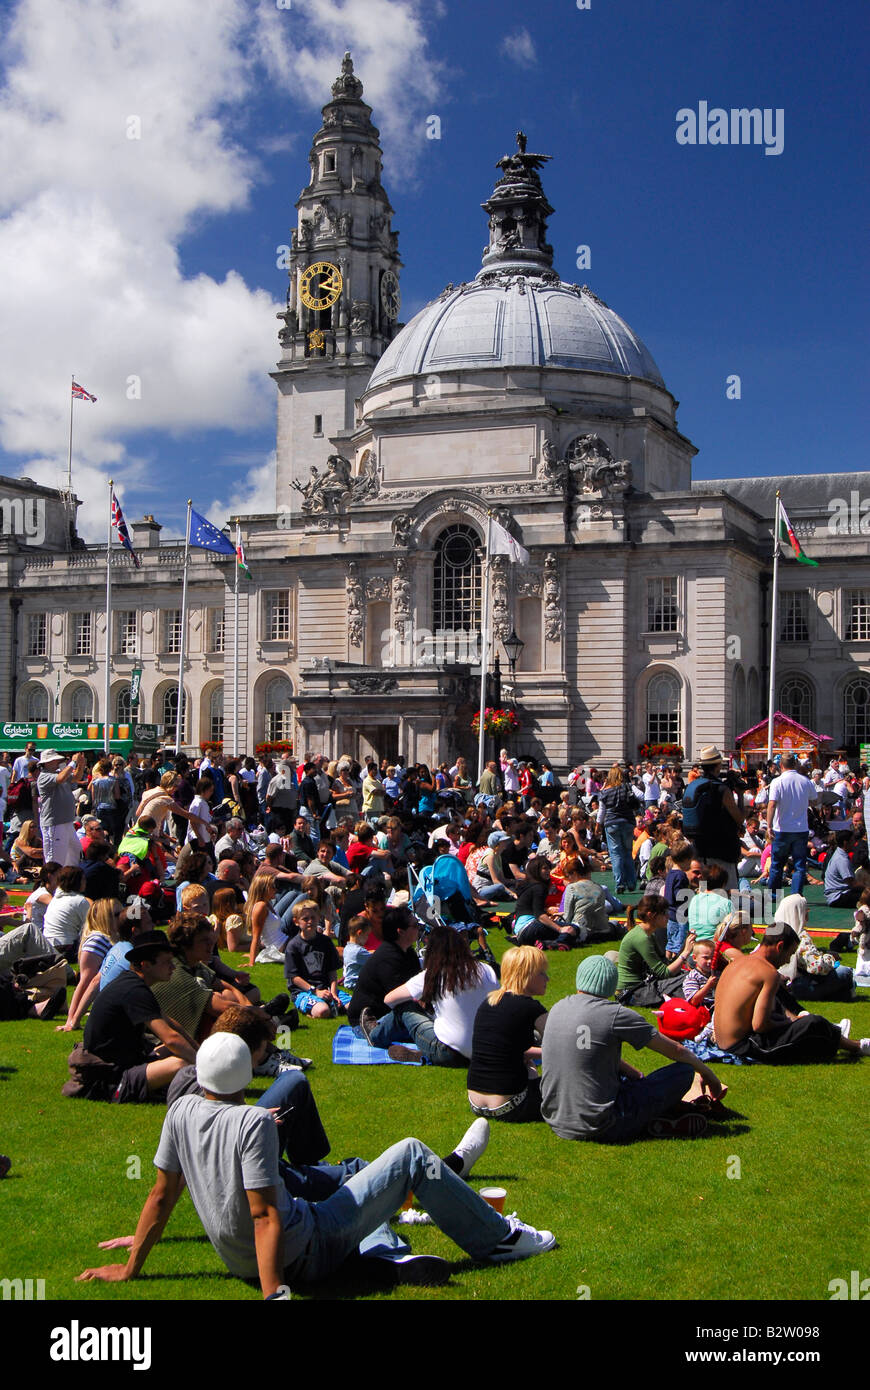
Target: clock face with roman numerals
320, 285
391, 298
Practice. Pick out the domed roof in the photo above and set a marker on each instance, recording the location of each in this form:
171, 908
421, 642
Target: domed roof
516, 318
516, 312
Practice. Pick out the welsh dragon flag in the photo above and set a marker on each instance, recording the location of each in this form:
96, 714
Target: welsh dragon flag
787, 537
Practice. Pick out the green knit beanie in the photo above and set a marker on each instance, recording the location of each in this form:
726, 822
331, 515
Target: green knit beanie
597, 975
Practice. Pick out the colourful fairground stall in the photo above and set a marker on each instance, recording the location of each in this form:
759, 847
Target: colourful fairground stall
788, 737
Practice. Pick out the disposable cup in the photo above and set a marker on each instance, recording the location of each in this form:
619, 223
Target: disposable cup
494, 1197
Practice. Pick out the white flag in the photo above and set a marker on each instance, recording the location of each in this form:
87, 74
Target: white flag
501, 542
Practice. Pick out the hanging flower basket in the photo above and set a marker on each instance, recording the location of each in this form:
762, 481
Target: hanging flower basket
661, 750
496, 721
212, 745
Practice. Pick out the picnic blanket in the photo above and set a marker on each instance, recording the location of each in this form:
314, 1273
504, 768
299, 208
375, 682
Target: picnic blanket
350, 1050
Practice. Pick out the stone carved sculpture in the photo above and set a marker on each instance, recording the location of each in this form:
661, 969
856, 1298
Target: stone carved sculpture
372, 685
378, 587
552, 471
361, 317
354, 591
401, 597
401, 526
368, 481
324, 493
594, 469
552, 599
501, 624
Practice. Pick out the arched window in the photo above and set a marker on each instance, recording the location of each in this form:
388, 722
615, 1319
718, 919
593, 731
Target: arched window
752, 698
81, 706
856, 712
279, 709
122, 705
216, 714
663, 709
456, 592
797, 700
36, 705
170, 713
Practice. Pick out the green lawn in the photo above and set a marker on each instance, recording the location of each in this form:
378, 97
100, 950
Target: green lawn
653, 1220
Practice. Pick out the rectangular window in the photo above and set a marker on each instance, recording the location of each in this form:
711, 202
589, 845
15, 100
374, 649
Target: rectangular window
329, 163
858, 615
82, 634
172, 631
276, 616
793, 619
216, 631
37, 629
125, 632
661, 605
318, 424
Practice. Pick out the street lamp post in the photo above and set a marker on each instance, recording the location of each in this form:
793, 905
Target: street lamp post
513, 645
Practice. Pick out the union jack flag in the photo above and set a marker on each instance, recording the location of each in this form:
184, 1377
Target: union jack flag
120, 526
80, 394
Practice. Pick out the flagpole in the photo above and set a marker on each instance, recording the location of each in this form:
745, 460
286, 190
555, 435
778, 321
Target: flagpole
236, 648
107, 714
484, 655
69, 455
179, 717
774, 605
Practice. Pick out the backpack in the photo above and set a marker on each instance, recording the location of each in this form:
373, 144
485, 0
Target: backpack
13, 796
701, 808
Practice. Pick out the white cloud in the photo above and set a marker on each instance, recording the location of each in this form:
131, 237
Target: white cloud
255, 494
91, 221
520, 48
401, 79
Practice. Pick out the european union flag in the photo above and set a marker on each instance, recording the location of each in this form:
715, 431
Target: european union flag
208, 537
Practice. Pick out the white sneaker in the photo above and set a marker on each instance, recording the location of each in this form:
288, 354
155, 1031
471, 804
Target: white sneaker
472, 1145
864, 1045
521, 1242
845, 1026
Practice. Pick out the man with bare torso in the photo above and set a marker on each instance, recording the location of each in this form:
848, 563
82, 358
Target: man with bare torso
750, 1020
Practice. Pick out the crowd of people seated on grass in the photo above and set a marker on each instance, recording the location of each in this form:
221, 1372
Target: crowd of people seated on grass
381, 890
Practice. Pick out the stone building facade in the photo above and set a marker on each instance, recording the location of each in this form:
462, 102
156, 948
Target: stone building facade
644, 608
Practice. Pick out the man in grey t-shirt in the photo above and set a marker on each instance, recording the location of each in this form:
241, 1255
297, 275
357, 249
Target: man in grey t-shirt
57, 807
227, 1153
588, 1092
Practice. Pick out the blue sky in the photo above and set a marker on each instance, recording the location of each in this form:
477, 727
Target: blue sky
155, 257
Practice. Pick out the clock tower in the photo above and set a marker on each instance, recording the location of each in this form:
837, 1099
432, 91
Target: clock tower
343, 298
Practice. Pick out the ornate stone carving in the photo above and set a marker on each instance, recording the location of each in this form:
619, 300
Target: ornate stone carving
345, 222
378, 587
402, 526
401, 591
325, 219
552, 599
347, 85
528, 583
367, 483
552, 471
326, 493
354, 605
361, 317
501, 623
372, 685
594, 469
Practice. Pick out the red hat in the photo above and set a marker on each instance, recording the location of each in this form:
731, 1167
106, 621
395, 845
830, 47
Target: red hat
679, 1019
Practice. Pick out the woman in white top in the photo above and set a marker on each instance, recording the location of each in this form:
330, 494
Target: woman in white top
453, 985
99, 935
36, 905
268, 937
67, 913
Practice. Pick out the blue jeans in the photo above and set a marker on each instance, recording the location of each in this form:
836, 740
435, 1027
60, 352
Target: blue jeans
492, 892
639, 1102
356, 1218
619, 838
788, 844
409, 1023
